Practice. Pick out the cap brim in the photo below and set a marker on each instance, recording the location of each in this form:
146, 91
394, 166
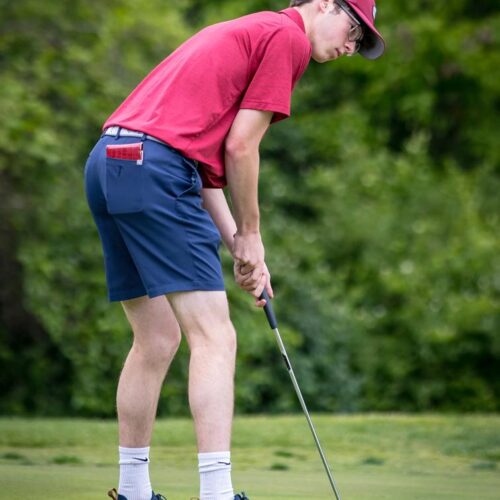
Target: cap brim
372, 45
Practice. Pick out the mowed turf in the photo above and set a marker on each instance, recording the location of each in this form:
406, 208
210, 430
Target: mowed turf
394, 457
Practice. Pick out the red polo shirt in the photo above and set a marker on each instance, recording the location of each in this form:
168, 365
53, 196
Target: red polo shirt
192, 97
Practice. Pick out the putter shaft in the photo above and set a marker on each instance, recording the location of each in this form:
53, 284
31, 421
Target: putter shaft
268, 309
306, 412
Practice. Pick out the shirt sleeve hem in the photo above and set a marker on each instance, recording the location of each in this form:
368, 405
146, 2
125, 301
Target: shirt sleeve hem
280, 112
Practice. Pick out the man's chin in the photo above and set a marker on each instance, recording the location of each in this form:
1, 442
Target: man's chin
323, 58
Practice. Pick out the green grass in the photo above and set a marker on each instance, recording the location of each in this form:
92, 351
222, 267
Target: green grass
393, 457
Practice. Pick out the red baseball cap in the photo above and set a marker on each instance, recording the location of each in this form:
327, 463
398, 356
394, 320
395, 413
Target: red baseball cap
372, 45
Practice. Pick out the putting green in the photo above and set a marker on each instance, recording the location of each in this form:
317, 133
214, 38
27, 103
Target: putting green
373, 457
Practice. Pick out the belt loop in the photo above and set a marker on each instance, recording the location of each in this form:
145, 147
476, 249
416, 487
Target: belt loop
117, 136
144, 137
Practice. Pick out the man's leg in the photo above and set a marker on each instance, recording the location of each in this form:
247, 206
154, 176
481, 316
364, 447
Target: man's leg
204, 319
156, 340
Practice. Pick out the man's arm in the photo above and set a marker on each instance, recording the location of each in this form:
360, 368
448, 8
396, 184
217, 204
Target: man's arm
242, 173
215, 203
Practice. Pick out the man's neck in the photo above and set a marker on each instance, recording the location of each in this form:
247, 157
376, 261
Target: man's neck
307, 15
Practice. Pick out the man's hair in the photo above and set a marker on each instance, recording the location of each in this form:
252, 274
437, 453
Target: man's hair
297, 3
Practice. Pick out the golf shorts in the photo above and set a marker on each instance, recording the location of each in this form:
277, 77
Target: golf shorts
156, 236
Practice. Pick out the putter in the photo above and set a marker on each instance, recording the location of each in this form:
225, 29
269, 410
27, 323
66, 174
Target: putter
271, 318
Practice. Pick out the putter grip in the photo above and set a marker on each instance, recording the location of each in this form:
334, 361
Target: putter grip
268, 309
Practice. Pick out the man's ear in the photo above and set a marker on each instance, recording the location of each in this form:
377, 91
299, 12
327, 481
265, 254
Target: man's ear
326, 6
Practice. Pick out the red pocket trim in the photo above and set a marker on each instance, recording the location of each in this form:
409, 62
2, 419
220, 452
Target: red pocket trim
131, 152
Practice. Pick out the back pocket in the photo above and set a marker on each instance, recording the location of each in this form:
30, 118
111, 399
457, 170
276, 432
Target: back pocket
124, 179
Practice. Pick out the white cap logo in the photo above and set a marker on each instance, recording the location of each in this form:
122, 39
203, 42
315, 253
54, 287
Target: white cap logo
374, 12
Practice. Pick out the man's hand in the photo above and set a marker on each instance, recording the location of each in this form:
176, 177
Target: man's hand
250, 270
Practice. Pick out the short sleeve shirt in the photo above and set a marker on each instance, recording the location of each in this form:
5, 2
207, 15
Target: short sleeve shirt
191, 98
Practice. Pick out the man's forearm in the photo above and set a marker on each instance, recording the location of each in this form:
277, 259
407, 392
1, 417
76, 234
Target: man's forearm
215, 203
242, 172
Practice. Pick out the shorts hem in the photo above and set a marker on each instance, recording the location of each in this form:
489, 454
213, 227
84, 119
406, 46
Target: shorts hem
118, 296
190, 286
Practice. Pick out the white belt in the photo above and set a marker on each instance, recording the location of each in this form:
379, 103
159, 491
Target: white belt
123, 132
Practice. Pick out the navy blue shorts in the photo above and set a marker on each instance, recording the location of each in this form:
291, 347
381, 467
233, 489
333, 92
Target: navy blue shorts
156, 236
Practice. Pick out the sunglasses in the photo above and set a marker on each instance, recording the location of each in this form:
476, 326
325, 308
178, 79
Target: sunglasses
357, 31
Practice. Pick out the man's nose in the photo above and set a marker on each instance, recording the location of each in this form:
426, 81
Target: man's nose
350, 47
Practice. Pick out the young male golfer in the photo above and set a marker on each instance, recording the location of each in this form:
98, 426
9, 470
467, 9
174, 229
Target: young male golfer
154, 185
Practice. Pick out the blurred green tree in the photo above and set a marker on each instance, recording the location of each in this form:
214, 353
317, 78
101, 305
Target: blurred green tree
380, 213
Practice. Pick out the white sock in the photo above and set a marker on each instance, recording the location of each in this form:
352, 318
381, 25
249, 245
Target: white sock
134, 473
215, 476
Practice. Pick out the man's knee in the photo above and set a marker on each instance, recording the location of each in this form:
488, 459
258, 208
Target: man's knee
204, 318
215, 335
158, 347
156, 331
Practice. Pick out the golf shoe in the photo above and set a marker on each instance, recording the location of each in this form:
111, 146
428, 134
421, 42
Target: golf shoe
239, 496
115, 496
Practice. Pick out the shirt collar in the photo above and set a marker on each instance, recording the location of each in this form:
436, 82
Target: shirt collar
295, 16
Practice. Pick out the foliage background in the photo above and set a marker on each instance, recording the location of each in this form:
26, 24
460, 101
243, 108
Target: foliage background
380, 213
